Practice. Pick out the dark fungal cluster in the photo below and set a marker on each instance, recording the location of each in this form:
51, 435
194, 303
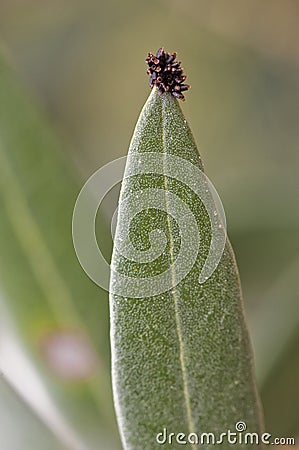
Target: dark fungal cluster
166, 73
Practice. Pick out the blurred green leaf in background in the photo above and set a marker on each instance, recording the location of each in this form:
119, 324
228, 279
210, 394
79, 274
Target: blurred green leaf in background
60, 318
83, 62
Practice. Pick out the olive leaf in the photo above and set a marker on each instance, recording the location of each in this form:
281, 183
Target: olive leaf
181, 355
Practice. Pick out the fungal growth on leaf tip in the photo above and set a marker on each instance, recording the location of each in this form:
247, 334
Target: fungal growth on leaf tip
166, 73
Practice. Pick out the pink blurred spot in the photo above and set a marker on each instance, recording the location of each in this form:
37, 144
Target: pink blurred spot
69, 355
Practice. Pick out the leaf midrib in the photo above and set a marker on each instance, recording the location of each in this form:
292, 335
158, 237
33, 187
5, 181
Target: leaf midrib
174, 292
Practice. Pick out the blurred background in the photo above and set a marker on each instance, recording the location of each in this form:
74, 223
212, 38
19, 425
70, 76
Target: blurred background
72, 83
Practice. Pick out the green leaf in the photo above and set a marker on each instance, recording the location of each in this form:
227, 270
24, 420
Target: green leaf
51, 303
181, 358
